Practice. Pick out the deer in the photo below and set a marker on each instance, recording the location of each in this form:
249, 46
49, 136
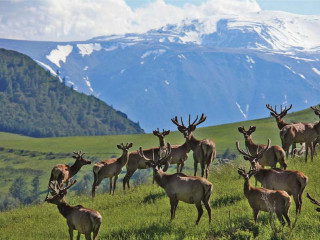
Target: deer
204, 151
179, 153
291, 181
280, 121
275, 154
62, 172
111, 169
84, 220
312, 200
301, 132
180, 187
266, 200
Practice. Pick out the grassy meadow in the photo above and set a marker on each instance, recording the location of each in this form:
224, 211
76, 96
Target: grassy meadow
144, 211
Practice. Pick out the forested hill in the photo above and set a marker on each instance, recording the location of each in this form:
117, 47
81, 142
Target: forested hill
34, 103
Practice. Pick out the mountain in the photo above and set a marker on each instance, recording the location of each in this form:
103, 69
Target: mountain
35, 103
228, 67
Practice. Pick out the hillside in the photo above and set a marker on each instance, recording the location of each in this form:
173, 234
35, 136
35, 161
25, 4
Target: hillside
234, 64
34, 103
37, 156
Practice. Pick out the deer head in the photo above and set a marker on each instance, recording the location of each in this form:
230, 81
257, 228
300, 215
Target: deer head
253, 158
187, 131
57, 193
159, 134
164, 156
280, 115
80, 159
247, 176
124, 148
248, 133
316, 110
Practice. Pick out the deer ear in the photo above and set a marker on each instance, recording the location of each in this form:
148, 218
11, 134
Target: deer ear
119, 146
252, 128
240, 129
130, 145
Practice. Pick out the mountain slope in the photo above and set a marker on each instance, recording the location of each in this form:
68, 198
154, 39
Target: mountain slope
36, 104
225, 66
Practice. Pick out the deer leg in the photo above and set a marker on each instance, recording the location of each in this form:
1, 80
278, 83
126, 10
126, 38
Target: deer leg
181, 165
173, 203
126, 179
95, 186
207, 206
96, 232
70, 230
202, 169
175, 209
88, 236
114, 183
110, 186
207, 170
286, 216
312, 151
307, 151
279, 216
178, 167
255, 215
78, 236
200, 212
294, 146
195, 167
297, 202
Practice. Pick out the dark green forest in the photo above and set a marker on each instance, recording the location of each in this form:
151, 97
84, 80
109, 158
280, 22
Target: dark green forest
37, 104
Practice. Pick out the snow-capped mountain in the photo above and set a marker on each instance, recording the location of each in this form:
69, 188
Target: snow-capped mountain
228, 67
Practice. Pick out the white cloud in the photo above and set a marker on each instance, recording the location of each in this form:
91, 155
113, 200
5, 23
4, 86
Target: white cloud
61, 20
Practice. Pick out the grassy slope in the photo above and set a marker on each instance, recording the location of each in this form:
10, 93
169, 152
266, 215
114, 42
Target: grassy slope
144, 211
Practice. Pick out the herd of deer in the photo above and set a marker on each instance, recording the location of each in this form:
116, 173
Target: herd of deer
274, 195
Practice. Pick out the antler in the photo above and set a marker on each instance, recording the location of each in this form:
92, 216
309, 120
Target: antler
140, 152
271, 109
259, 154
282, 113
78, 154
156, 132
163, 157
316, 110
312, 200
164, 132
202, 119
176, 122
246, 154
242, 171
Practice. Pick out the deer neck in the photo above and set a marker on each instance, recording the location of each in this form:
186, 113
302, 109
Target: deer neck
193, 142
281, 123
124, 158
162, 142
251, 145
161, 178
64, 208
246, 187
75, 168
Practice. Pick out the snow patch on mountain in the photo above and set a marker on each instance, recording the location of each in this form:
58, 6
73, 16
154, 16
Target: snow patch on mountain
86, 79
316, 70
47, 67
59, 54
87, 49
156, 53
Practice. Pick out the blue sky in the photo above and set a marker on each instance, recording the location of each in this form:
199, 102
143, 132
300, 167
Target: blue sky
293, 6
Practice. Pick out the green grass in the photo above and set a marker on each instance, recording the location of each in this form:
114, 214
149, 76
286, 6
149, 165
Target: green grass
144, 211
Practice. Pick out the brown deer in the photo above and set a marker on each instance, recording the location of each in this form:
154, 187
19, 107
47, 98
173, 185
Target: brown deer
293, 182
262, 199
180, 187
281, 123
301, 132
312, 200
110, 168
179, 153
79, 218
204, 151
62, 172
275, 154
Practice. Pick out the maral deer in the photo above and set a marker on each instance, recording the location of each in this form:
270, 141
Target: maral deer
275, 154
110, 168
262, 199
204, 151
62, 172
297, 132
79, 218
280, 121
179, 153
293, 182
180, 187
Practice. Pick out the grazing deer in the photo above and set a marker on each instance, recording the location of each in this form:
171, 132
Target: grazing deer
301, 132
179, 153
262, 199
204, 151
180, 187
272, 156
110, 168
62, 172
281, 123
79, 218
312, 200
293, 182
